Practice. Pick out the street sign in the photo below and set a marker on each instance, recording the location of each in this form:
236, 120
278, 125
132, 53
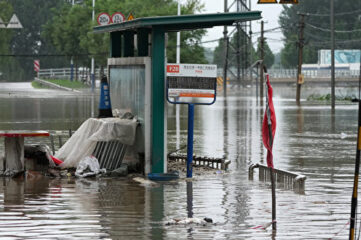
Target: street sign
267, 1
14, 22
301, 79
2, 24
104, 19
130, 17
189, 82
288, 1
36, 65
118, 17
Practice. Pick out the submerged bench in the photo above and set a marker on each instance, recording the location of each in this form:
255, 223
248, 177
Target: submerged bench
14, 149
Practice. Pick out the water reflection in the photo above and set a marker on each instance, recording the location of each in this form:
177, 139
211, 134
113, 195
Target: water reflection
310, 140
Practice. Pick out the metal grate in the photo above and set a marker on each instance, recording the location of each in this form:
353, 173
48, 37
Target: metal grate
110, 154
216, 163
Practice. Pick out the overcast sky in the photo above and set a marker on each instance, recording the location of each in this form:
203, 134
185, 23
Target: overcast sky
270, 14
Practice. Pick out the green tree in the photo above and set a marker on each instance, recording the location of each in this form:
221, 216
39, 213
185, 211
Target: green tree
269, 57
289, 56
317, 29
9, 67
33, 14
68, 32
244, 51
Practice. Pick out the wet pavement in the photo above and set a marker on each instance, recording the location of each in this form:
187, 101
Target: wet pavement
310, 140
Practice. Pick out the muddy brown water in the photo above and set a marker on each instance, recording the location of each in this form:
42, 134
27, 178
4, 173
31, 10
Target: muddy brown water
310, 140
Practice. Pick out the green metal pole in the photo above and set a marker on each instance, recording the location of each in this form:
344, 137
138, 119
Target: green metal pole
158, 100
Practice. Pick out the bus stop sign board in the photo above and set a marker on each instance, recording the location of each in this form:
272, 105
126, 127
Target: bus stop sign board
188, 83
191, 84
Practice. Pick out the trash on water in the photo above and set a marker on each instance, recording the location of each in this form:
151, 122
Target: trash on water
163, 176
186, 221
144, 181
88, 167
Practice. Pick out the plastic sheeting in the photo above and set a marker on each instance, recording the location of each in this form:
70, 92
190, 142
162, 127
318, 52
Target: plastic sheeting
84, 140
89, 167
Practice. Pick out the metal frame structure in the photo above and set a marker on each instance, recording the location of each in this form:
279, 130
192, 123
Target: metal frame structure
243, 51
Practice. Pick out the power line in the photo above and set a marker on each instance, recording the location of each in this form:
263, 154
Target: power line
329, 30
328, 15
268, 30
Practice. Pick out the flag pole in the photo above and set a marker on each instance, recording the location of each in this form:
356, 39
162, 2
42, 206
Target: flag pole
273, 187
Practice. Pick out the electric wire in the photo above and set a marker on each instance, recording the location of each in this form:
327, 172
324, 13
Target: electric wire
329, 30
328, 15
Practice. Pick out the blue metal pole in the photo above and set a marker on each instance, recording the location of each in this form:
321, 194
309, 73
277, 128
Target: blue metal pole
190, 139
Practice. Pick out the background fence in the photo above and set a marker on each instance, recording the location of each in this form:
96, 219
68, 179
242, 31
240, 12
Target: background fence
65, 73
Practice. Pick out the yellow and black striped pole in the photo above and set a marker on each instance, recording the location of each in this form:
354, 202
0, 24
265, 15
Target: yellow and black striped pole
357, 170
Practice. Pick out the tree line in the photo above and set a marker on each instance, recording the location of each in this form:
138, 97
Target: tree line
55, 31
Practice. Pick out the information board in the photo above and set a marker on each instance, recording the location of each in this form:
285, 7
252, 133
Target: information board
188, 83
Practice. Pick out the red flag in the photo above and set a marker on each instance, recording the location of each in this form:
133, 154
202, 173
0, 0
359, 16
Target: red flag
269, 122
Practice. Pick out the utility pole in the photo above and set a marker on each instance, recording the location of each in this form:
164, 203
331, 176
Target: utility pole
300, 57
92, 74
238, 52
332, 19
225, 48
177, 106
250, 45
178, 38
262, 61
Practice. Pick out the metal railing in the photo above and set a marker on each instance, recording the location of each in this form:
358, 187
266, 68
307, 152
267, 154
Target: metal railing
317, 73
65, 73
110, 154
286, 179
292, 73
216, 163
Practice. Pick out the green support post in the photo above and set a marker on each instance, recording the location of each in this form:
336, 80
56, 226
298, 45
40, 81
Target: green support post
158, 101
128, 48
142, 42
115, 44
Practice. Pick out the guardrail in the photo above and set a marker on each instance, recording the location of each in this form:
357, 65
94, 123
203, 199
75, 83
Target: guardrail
65, 73
287, 179
292, 73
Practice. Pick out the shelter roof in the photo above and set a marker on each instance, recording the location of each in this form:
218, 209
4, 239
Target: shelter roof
181, 22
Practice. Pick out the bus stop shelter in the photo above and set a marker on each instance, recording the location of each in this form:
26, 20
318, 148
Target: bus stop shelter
148, 49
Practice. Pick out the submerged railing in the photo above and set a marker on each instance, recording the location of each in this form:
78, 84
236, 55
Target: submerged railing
286, 179
216, 163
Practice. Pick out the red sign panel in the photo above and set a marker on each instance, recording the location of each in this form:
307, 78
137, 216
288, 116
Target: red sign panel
104, 19
172, 68
36, 65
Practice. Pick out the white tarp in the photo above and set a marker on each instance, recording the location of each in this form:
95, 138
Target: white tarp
84, 140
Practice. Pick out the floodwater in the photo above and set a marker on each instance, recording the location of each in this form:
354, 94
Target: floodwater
310, 140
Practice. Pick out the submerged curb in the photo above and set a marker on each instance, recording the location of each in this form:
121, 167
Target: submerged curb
53, 85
